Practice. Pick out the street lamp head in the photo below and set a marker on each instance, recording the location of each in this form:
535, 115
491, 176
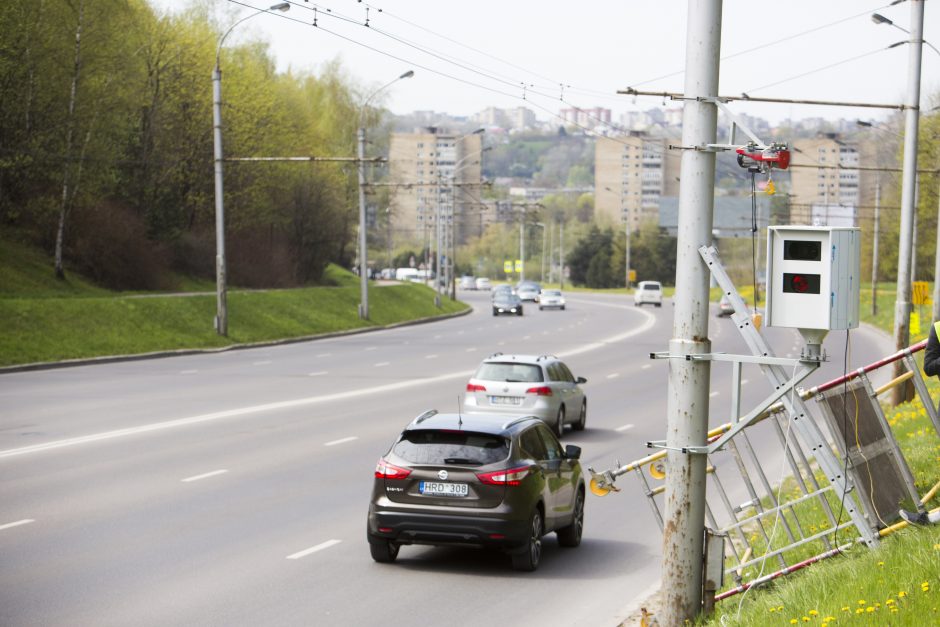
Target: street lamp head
407, 74
863, 123
877, 18
280, 6
478, 131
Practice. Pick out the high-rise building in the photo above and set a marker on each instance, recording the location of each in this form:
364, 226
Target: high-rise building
436, 177
631, 173
824, 181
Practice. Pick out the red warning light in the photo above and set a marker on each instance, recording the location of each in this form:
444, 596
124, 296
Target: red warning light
800, 284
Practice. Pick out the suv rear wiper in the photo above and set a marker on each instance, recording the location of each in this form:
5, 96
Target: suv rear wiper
462, 460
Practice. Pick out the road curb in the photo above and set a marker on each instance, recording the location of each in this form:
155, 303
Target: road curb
108, 359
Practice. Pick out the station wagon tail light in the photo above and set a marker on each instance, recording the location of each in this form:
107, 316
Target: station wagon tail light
475, 387
542, 390
512, 476
384, 470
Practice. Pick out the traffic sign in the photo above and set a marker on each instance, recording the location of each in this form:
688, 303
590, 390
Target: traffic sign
920, 294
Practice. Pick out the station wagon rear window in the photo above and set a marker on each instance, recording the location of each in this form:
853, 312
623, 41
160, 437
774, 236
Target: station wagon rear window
509, 372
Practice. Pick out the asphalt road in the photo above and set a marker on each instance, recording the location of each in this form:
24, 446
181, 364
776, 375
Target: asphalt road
231, 488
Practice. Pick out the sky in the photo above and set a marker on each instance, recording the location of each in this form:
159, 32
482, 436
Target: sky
548, 55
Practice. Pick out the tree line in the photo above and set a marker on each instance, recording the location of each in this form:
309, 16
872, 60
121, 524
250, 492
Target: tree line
106, 153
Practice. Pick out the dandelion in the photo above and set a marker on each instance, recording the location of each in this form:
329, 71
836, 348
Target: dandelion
860, 611
902, 594
889, 602
870, 609
813, 613
793, 621
845, 608
881, 563
806, 619
861, 601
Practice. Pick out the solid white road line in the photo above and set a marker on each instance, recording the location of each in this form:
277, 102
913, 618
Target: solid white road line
261, 363
624, 428
430, 356
646, 366
319, 373
313, 549
294, 403
380, 364
470, 350
324, 355
371, 348
341, 441
205, 475
713, 394
613, 376
188, 371
744, 381
25, 521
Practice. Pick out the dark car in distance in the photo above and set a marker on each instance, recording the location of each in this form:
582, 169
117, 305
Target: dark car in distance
480, 480
506, 303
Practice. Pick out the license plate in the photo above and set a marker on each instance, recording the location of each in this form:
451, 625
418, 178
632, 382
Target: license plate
435, 488
505, 400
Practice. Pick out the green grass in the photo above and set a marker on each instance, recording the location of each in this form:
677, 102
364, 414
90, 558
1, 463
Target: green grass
46, 320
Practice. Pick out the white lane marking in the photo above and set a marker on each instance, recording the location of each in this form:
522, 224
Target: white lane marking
25, 521
646, 366
325, 355
470, 350
713, 394
318, 373
342, 441
371, 348
188, 371
624, 428
438, 336
430, 356
298, 402
461, 332
501, 344
613, 376
204, 475
381, 364
313, 549
744, 381
527, 337
261, 363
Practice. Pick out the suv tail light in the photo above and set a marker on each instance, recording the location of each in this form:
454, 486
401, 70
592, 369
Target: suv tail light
512, 476
384, 470
542, 390
475, 387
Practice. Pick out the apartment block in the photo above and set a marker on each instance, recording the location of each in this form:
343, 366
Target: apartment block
825, 181
436, 176
631, 173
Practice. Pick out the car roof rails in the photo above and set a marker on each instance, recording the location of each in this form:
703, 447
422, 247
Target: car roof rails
428, 414
541, 357
495, 355
517, 420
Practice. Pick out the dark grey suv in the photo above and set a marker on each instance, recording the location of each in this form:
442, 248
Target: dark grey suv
476, 480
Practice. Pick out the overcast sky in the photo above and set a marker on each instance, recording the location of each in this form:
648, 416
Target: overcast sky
470, 55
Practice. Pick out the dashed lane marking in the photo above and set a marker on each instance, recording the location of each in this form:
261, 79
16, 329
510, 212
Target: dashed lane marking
18, 523
313, 549
204, 475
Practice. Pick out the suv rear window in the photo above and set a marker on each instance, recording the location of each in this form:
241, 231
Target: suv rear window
456, 447
509, 372
651, 287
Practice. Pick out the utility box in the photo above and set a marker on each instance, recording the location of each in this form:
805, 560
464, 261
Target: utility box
813, 277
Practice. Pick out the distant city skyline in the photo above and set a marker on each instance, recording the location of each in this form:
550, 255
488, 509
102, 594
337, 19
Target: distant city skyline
550, 56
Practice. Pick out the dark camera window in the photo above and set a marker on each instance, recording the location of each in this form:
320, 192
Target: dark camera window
799, 283
798, 250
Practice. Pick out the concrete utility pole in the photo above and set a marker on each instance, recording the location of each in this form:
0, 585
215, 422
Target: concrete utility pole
561, 254
874, 252
902, 305
935, 312
687, 402
522, 246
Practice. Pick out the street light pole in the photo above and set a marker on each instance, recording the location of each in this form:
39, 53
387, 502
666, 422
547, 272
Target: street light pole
902, 306
361, 155
221, 315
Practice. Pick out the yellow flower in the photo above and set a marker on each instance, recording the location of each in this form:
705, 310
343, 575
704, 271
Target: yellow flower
881, 563
861, 601
870, 609
806, 619
813, 613
793, 621
889, 602
902, 594
860, 611
845, 608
